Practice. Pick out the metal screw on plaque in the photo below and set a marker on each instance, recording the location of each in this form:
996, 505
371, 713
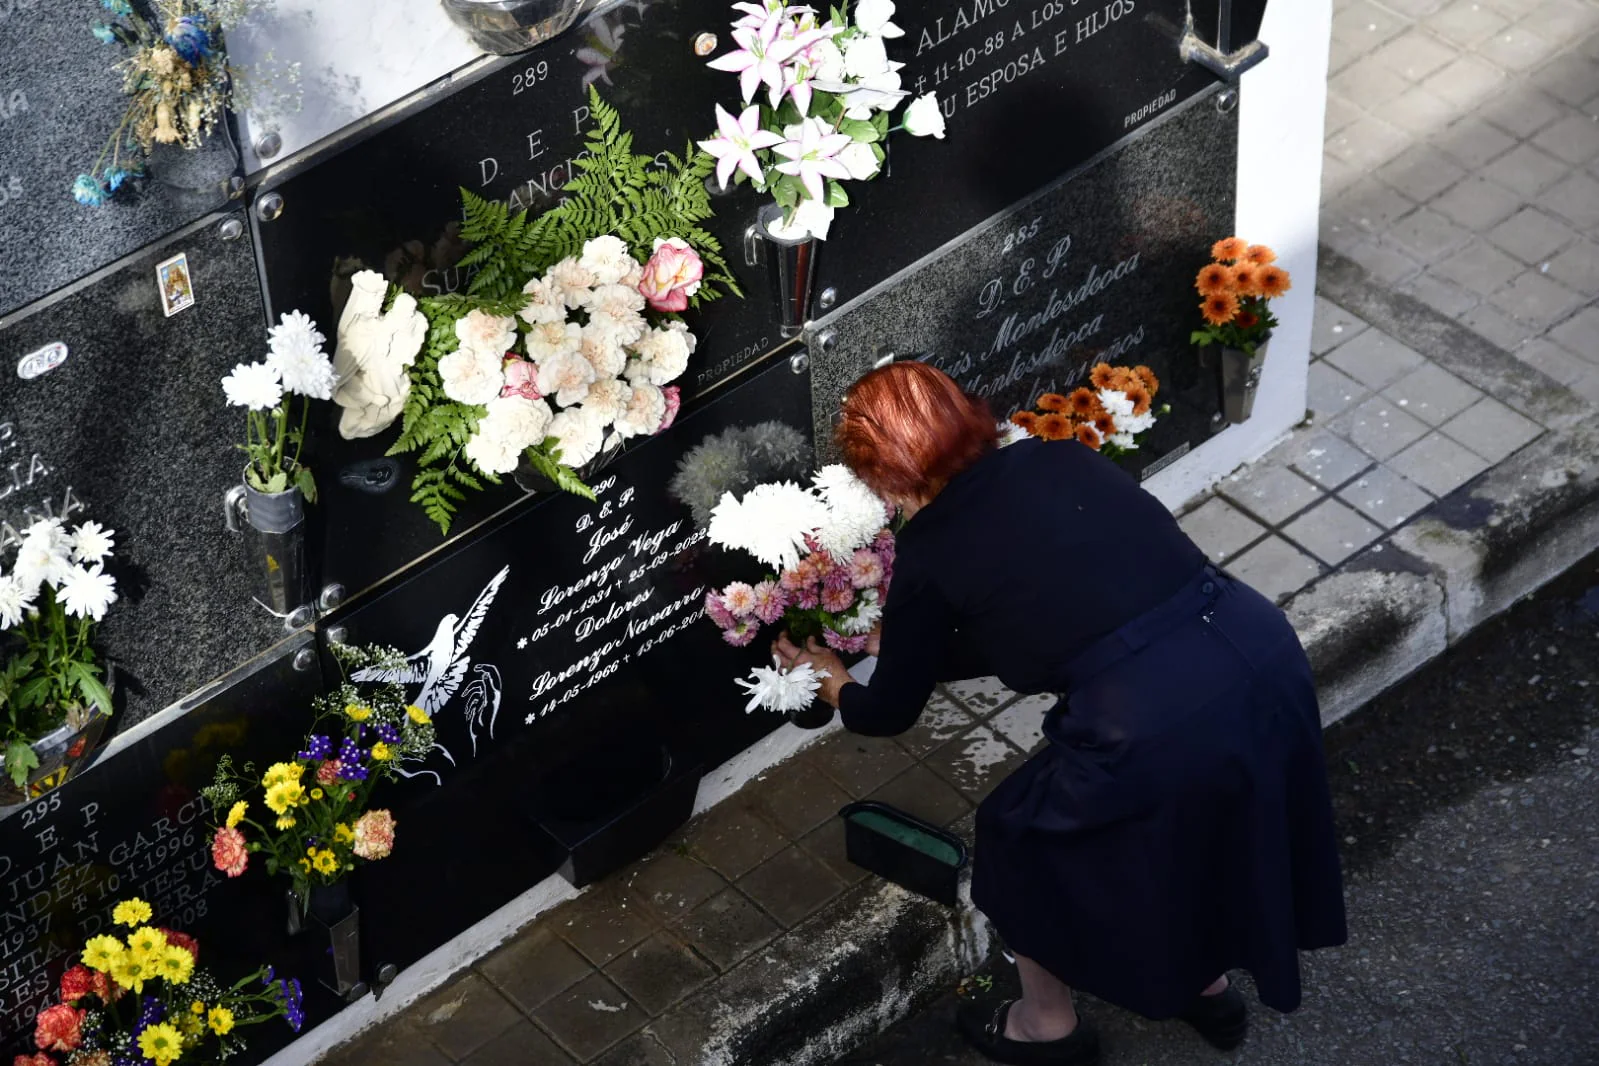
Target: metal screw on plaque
1217, 420
827, 340
705, 44
332, 596
338, 634
268, 145
799, 362
385, 977
304, 659
269, 207
357, 991
299, 618
231, 229
827, 298
1227, 100
235, 187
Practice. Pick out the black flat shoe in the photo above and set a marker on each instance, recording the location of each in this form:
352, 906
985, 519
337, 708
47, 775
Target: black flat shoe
1222, 1019
983, 1026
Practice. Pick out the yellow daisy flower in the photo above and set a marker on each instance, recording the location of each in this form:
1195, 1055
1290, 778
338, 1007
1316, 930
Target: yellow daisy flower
146, 942
316, 793
286, 822
417, 715
381, 752
282, 773
305, 864
236, 815
344, 833
131, 912
103, 953
221, 1020
132, 971
325, 862
162, 1043
357, 712
197, 1007
284, 795
175, 964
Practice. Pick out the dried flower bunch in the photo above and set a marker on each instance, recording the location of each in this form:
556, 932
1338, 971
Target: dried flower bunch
141, 998
317, 823
1236, 285
296, 364
1107, 417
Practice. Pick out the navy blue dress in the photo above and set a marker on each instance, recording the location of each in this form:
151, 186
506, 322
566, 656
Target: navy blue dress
1178, 824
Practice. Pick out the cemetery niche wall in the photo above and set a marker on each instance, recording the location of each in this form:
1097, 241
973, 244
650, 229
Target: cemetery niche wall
1086, 168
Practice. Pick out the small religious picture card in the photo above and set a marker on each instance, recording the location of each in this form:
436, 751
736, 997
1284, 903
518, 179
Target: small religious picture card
172, 280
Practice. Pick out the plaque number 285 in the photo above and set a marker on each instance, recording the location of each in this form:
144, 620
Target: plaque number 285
526, 79
1020, 235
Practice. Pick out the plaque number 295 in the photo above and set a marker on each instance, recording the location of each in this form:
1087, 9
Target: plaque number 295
526, 79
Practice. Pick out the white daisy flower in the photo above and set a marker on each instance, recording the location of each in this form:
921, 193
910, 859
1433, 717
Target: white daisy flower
295, 351
1010, 433
774, 689
92, 542
45, 554
868, 612
88, 592
254, 386
16, 599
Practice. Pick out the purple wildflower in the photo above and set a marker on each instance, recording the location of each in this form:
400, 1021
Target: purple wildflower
317, 749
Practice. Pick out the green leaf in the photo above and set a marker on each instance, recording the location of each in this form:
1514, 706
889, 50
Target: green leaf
306, 483
860, 130
276, 483
20, 758
1201, 337
836, 196
546, 460
94, 691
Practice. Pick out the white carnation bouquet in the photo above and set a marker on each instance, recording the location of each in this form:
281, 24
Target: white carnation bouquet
296, 365
833, 558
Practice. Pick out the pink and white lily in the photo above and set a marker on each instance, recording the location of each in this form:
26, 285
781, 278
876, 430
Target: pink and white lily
762, 53
741, 138
811, 154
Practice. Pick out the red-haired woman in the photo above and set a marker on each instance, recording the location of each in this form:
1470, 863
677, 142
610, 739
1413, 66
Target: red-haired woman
1178, 824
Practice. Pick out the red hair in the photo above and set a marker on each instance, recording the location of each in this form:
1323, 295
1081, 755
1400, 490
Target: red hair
908, 429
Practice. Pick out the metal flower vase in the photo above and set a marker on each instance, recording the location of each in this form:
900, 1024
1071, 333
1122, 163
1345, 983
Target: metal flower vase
63, 753
330, 911
791, 262
506, 27
273, 526
1238, 374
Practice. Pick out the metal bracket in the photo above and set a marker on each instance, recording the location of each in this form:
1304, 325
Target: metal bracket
1229, 66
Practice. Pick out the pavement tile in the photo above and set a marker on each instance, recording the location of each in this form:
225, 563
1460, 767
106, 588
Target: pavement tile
1587, 387
534, 966
464, 1015
1466, 82
1414, 54
1331, 390
1517, 49
1547, 357
1527, 170
395, 1043
791, 885
1480, 267
1445, 297
980, 695
1340, 54
1438, 464
640, 1049
1374, 359
683, 1032
1562, 20
1368, 84
733, 839
1331, 531
1521, 110
1577, 267
929, 797
1473, 141
1536, 300
674, 884
1416, 9
1383, 262
1432, 394
941, 720
1340, 113
1493, 324
1337, 177
1270, 492
1572, 78
860, 764
1575, 199
1332, 326
1491, 429
521, 1045
1421, 172
1369, 142
1220, 529
1372, 206
1416, 111
1022, 723
1574, 139
589, 1018
728, 928
1580, 333
658, 972
602, 922
825, 844
976, 762
1426, 235
1328, 460
1466, 22
1476, 203
797, 799
1380, 427
1275, 569
1531, 235
1385, 496
1365, 24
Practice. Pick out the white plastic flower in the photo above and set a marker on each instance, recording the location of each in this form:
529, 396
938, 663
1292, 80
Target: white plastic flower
565, 375
16, 599
812, 218
522, 423
492, 334
868, 612
549, 339
92, 542
860, 161
771, 522
662, 356
254, 386
643, 413
773, 689
579, 432
855, 514
574, 280
546, 301
924, 118
603, 351
608, 258
86, 592
607, 399
491, 453
865, 57
471, 375
872, 16
295, 350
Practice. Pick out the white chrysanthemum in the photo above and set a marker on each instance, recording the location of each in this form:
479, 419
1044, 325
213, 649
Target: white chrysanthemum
546, 301
603, 351
1010, 433
472, 375
607, 399
770, 522
45, 554
493, 334
521, 422
868, 612
565, 375
16, 599
86, 592
1116, 402
295, 350
574, 280
254, 386
1135, 424
92, 542
579, 432
664, 356
550, 339
608, 258
854, 513
774, 689
492, 453
643, 413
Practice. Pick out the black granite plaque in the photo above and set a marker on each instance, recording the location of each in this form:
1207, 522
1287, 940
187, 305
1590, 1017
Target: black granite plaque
59, 101
132, 431
1098, 267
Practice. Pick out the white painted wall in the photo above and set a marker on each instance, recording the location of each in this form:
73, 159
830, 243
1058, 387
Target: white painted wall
1279, 200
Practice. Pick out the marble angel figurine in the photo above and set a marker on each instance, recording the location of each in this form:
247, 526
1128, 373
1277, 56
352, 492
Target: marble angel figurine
374, 354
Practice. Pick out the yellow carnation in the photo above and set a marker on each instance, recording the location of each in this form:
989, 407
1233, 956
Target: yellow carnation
357, 712
417, 715
221, 1020
236, 815
131, 912
161, 1043
103, 953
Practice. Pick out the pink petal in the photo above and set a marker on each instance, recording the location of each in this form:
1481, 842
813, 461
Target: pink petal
731, 127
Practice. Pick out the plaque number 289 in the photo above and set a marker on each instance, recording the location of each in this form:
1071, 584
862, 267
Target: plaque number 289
526, 79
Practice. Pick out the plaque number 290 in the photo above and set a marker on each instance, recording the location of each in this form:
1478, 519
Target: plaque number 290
526, 79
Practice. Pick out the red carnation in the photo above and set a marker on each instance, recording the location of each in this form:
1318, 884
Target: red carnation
184, 941
77, 983
59, 1028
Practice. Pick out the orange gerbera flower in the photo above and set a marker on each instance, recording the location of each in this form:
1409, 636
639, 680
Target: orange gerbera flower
1246, 279
1229, 250
1088, 435
1083, 402
1273, 282
1259, 254
1219, 309
1054, 426
1101, 376
1213, 279
1141, 399
1027, 420
1104, 425
1148, 379
1051, 401
1248, 320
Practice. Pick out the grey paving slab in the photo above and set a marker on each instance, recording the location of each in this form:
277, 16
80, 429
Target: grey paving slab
1493, 324
1331, 390
1340, 112
1331, 531
1574, 139
1432, 394
1379, 427
1372, 206
1426, 235
1467, 81
1275, 568
1474, 141
1575, 199
1442, 296
1580, 333
1417, 8
1491, 429
1421, 172
1270, 492
1465, 23
1548, 357
1438, 464
1527, 169
1220, 529
1477, 203
980, 695
1332, 326
1369, 142
1365, 24
1521, 110
1537, 300
1587, 387
1571, 78
1022, 723
1418, 111
1385, 496
1415, 54
1517, 49
1480, 267
1374, 359
1532, 236
1328, 460
1383, 261
1562, 20
1577, 267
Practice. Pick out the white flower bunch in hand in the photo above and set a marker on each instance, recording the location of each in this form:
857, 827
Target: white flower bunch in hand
296, 364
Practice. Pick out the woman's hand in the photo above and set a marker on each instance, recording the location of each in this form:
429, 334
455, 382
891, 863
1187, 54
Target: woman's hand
874, 640
834, 674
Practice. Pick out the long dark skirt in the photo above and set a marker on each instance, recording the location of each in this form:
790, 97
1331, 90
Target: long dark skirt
1179, 823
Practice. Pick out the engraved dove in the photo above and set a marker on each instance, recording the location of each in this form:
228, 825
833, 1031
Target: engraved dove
441, 667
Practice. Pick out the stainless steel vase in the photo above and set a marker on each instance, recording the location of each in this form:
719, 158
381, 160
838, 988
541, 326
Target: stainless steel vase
273, 527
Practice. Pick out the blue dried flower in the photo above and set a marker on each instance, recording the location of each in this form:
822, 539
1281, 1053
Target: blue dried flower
116, 177
118, 7
87, 191
190, 38
104, 34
